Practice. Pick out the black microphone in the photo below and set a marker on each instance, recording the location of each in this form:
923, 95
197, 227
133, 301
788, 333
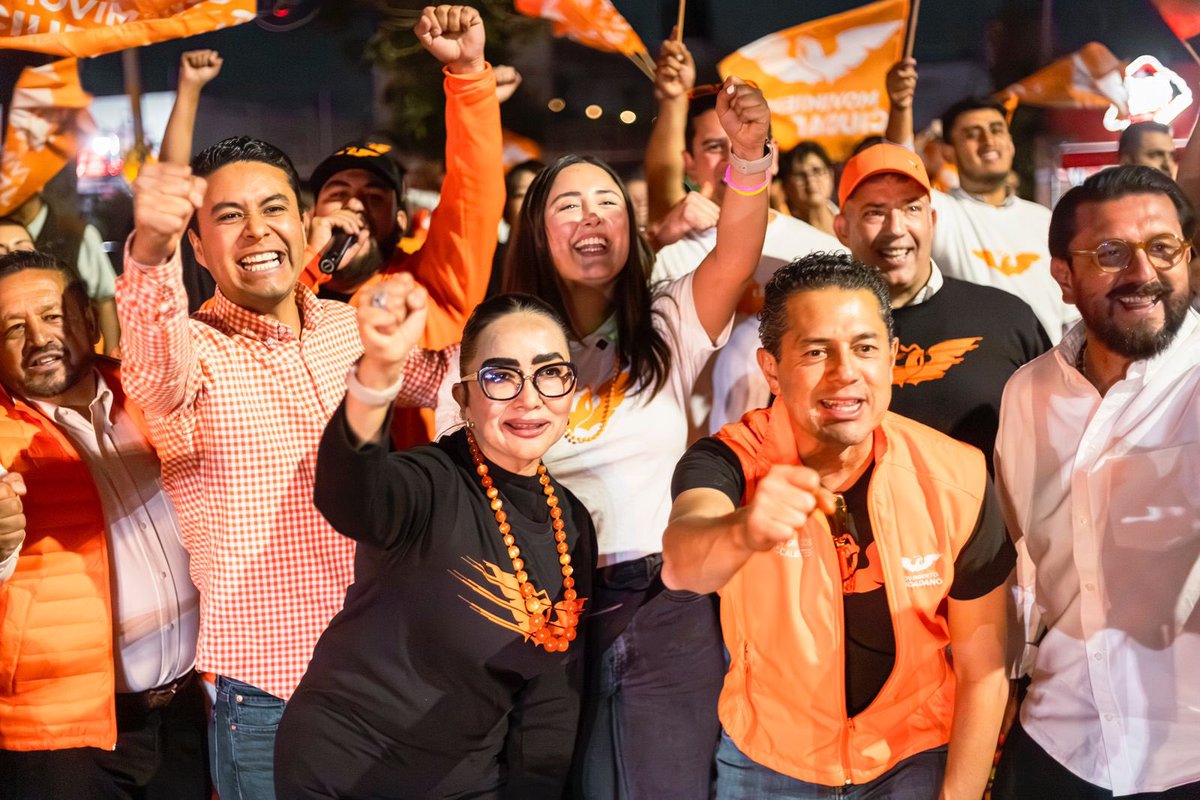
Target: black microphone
336, 251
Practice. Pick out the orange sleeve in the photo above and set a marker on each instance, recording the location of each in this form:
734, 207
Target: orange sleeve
456, 260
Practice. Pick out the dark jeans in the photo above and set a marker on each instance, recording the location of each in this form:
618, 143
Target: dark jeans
1027, 772
917, 777
160, 755
242, 740
655, 668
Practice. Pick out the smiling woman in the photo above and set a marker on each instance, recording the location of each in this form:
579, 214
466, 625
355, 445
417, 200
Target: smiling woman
460, 641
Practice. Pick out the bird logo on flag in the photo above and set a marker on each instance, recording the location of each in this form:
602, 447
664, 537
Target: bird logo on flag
802, 59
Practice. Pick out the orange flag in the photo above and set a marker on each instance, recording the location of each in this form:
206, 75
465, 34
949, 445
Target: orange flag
48, 117
826, 80
518, 148
1091, 77
1182, 16
84, 28
595, 23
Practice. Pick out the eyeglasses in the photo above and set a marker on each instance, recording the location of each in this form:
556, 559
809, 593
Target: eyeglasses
709, 89
845, 541
505, 383
1113, 255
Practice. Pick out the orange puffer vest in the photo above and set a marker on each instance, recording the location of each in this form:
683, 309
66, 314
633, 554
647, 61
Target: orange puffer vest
784, 700
56, 627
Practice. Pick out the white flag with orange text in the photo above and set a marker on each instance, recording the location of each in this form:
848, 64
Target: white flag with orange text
46, 121
83, 28
825, 80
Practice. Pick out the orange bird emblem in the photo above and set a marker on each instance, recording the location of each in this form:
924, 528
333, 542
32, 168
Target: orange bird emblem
1009, 265
506, 598
592, 408
915, 365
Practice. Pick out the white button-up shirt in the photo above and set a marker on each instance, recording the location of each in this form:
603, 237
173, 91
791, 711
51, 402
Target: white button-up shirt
1103, 495
156, 608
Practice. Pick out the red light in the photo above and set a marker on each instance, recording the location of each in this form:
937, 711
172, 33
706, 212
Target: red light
281, 12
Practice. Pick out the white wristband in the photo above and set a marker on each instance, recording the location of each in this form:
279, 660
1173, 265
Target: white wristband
369, 396
745, 167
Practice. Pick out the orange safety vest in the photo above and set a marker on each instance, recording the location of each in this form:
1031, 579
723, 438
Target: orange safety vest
57, 687
784, 699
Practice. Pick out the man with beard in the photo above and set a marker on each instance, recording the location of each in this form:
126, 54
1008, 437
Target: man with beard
1097, 464
985, 233
98, 697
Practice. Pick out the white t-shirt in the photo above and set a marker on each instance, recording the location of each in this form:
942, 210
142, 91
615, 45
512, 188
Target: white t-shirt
1002, 246
787, 239
623, 476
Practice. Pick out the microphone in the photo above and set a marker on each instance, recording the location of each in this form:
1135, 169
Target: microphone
336, 251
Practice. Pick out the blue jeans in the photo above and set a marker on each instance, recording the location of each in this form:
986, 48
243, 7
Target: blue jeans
241, 736
656, 664
917, 777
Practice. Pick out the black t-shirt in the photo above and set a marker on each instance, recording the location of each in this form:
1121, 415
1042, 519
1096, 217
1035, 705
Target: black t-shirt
983, 564
957, 350
430, 649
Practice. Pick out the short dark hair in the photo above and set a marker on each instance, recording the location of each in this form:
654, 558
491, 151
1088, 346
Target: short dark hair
510, 178
502, 305
1113, 184
245, 148
819, 270
696, 106
1131, 137
792, 158
966, 106
21, 260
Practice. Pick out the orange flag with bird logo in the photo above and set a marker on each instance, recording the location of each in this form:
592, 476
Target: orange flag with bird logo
825, 80
594, 23
1091, 77
46, 122
83, 28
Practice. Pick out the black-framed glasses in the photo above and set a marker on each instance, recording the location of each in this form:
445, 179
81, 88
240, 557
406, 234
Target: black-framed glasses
505, 383
1113, 255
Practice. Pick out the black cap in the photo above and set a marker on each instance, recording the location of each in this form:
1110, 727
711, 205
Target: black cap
372, 156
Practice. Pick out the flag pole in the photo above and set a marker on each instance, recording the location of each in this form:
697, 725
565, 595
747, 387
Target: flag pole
131, 66
679, 21
912, 28
1190, 49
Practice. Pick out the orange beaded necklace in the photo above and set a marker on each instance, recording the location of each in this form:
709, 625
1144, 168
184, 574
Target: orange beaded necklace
554, 635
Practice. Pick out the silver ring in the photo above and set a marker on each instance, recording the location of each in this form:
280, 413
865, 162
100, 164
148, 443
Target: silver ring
379, 299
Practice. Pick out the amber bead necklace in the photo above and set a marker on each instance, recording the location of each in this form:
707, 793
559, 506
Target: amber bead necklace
555, 635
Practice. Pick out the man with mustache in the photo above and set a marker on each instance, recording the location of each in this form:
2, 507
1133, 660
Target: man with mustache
1097, 464
985, 233
98, 614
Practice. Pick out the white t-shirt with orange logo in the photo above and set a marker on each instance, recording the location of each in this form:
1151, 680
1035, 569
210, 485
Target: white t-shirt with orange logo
623, 476
1002, 246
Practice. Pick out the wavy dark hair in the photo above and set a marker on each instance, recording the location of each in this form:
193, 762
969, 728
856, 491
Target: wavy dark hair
529, 269
499, 306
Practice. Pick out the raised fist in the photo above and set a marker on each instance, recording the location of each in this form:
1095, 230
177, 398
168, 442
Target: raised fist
164, 198
744, 115
453, 35
198, 67
674, 72
507, 81
782, 504
391, 319
12, 514
902, 83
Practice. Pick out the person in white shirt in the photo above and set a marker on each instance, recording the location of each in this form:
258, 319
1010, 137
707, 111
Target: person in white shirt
1097, 464
985, 233
98, 695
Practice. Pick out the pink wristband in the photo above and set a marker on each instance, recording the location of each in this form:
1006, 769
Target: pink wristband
745, 192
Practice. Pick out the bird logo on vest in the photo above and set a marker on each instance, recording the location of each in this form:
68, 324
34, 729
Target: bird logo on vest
508, 599
916, 365
1007, 264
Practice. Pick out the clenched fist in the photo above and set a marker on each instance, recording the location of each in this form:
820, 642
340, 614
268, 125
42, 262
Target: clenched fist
783, 502
391, 319
12, 514
198, 67
674, 72
164, 198
454, 36
745, 117
902, 83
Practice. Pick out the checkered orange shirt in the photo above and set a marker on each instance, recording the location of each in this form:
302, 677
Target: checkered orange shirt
236, 404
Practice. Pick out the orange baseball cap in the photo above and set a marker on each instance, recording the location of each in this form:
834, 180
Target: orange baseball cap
883, 157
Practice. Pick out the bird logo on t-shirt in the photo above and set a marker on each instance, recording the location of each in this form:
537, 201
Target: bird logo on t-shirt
916, 365
593, 409
508, 600
1007, 264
